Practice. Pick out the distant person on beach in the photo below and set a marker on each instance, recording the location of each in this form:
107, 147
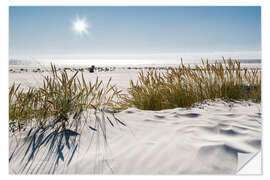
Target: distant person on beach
91, 69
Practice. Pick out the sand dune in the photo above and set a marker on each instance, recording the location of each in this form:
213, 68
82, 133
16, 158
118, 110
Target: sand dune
205, 139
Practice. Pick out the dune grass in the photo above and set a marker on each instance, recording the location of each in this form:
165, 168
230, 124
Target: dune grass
185, 86
52, 109
61, 99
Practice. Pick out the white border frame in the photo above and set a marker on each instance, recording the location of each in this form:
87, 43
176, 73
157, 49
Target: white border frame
4, 70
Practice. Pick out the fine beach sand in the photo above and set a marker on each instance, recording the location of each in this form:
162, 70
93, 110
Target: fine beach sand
204, 139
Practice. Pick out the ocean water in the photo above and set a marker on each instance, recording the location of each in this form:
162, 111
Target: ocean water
118, 62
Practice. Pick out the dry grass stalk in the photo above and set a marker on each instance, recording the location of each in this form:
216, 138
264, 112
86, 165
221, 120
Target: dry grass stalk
184, 86
61, 99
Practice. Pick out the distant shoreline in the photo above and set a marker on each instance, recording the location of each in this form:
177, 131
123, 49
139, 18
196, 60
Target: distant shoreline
32, 65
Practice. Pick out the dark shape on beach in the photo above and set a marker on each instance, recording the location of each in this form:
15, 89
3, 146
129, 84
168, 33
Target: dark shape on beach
91, 69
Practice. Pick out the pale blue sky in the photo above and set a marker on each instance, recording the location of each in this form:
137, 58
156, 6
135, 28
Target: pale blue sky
46, 32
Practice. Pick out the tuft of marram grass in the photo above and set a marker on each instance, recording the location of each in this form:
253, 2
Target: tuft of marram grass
185, 86
61, 99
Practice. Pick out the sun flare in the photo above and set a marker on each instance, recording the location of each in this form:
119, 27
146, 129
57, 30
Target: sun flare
80, 26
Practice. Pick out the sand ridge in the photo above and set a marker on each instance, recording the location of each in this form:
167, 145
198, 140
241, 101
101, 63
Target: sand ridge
204, 139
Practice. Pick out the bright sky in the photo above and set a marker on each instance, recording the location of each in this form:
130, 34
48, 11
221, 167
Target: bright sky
134, 32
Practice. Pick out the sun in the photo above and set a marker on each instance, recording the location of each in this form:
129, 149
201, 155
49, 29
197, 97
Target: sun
80, 26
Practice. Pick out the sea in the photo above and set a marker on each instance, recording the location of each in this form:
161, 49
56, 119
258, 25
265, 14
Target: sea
118, 62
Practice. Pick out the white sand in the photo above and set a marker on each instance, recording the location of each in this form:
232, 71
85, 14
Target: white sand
200, 140
120, 77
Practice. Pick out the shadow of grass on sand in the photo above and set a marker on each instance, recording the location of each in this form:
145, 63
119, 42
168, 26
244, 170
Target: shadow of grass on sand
51, 149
